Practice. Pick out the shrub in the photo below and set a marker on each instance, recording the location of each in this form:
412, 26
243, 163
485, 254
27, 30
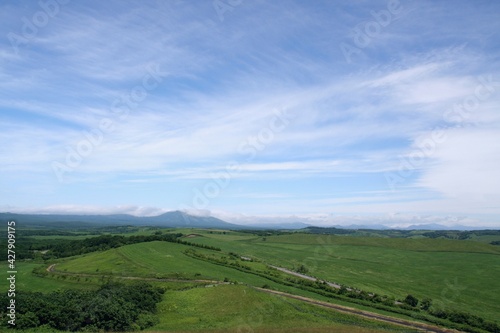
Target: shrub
411, 300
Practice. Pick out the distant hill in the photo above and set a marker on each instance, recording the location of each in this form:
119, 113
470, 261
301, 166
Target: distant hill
178, 219
278, 226
434, 226
175, 219
362, 226
181, 219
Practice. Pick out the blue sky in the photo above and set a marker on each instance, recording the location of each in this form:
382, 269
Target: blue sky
322, 112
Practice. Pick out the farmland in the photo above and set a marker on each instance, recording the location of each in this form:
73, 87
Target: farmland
210, 278
449, 271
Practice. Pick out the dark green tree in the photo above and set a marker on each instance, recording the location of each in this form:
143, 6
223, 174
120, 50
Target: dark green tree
425, 304
27, 320
411, 300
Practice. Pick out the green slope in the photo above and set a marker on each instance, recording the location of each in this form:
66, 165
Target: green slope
154, 260
242, 309
460, 275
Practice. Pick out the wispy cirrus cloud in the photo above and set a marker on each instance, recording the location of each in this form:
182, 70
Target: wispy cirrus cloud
222, 83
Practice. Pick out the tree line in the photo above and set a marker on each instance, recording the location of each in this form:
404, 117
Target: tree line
31, 248
47, 249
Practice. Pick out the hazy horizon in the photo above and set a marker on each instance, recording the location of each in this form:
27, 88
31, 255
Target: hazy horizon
319, 220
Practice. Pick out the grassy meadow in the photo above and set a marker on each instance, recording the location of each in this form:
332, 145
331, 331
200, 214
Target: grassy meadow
247, 310
457, 275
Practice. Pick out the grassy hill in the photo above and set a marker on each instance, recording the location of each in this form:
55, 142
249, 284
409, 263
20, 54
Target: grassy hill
153, 260
187, 307
460, 275
457, 275
243, 309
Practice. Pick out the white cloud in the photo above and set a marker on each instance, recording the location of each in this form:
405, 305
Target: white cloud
466, 167
224, 82
87, 210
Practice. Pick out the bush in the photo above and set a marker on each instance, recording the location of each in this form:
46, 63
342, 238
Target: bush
425, 304
411, 301
27, 320
302, 269
146, 320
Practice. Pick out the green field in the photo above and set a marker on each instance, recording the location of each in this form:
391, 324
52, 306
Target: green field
457, 275
154, 260
454, 274
247, 310
27, 281
207, 309
461, 275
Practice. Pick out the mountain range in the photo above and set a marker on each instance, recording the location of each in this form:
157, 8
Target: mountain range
179, 219
174, 219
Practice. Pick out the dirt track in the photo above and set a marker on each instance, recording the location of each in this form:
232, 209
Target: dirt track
365, 314
340, 308
307, 277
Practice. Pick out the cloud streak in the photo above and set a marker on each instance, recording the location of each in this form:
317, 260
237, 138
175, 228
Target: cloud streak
223, 82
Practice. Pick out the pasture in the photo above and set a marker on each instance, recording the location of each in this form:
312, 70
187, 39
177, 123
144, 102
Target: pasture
460, 275
456, 274
236, 306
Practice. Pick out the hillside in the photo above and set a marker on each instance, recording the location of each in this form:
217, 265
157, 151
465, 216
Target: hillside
206, 274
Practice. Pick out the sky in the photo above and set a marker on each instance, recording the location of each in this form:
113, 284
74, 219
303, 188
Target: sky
325, 112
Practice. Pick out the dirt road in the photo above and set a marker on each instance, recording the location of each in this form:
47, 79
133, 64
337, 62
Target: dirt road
307, 277
365, 314
340, 308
